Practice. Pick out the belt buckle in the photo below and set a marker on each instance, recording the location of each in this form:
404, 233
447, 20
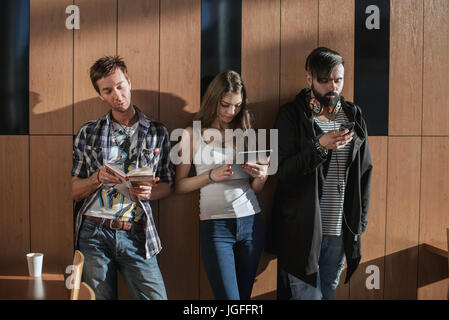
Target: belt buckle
110, 225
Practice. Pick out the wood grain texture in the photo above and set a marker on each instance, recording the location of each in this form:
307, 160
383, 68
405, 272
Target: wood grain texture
434, 217
180, 59
434, 191
96, 38
138, 44
51, 208
260, 58
261, 72
336, 31
298, 38
373, 240
402, 223
406, 47
51, 58
14, 200
436, 68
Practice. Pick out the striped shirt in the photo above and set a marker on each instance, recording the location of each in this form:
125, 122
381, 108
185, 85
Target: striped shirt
331, 202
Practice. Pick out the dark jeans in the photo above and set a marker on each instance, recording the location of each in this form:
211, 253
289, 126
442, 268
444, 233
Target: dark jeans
331, 264
231, 250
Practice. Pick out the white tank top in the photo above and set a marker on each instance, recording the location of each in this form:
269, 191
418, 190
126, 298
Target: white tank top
226, 199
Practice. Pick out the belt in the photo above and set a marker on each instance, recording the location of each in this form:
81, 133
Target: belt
117, 225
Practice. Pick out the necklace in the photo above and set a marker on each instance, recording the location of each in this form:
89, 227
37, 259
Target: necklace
126, 129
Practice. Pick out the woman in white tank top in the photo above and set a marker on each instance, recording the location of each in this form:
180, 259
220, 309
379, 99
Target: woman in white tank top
231, 224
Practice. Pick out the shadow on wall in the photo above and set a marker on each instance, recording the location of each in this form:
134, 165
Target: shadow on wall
406, 271
146, 100
404, 275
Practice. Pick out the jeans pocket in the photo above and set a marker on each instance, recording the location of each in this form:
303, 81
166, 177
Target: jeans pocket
88, 230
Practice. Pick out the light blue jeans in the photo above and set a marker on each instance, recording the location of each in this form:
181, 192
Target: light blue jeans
231, 250
107, 251
330, 266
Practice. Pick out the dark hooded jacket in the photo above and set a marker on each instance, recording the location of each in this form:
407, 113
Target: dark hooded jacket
302, 171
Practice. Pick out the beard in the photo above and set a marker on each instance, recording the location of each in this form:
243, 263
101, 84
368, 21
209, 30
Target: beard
326, 100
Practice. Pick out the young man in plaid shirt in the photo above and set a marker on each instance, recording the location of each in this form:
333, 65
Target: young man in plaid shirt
113, 231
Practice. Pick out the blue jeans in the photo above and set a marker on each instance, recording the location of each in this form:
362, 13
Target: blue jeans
231, 250
107, 251
330, 266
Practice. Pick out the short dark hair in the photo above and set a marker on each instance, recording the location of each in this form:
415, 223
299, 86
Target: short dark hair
322, 60
104, 67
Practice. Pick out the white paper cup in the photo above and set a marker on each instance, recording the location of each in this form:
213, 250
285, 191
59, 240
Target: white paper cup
35, 264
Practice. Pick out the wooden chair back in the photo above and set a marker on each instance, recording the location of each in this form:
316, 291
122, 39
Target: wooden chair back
86, 292
78, 263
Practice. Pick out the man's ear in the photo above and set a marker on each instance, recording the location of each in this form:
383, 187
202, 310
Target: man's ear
101, 97
309, 79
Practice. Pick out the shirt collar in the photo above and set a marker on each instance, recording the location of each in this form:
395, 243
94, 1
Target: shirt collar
144, 121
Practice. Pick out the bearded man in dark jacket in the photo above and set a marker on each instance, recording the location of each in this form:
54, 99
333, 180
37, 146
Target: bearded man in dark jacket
323, 190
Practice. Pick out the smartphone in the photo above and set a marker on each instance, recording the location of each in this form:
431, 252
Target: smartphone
259, 156
349, 125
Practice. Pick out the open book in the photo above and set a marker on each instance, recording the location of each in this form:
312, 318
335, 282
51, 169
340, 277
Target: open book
143, 175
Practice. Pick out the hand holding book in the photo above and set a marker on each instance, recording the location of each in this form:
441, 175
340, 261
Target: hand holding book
142, 189
137, 183
105, 177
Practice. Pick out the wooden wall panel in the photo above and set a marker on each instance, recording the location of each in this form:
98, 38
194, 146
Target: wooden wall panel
336, 31
50, 74
402, 223
180, 47
406, 34
260, 71
96, 37
14, 199
373, 240
51, 208
138, 44
298, 38
436, 67
434, 217
260, 58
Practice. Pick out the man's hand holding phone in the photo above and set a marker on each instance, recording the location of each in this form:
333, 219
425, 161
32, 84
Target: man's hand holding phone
337, 139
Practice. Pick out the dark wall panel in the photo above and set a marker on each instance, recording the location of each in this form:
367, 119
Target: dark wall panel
14, 53
371, 63
221, 29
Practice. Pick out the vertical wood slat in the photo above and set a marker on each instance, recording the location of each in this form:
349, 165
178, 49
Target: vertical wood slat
373, 240
432, 277
260, 71
138, 44
298, 38
260, 58
51, 209
436, 68
405, 108
14, 200
180, 58
96, 38
402, 217
336, 31
50, 74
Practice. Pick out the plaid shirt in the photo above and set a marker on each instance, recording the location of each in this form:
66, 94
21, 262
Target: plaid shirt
91, 150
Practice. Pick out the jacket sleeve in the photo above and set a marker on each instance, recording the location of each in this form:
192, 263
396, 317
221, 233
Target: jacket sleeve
365, 182
294, 163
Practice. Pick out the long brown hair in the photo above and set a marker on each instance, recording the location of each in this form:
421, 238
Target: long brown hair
226, 82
